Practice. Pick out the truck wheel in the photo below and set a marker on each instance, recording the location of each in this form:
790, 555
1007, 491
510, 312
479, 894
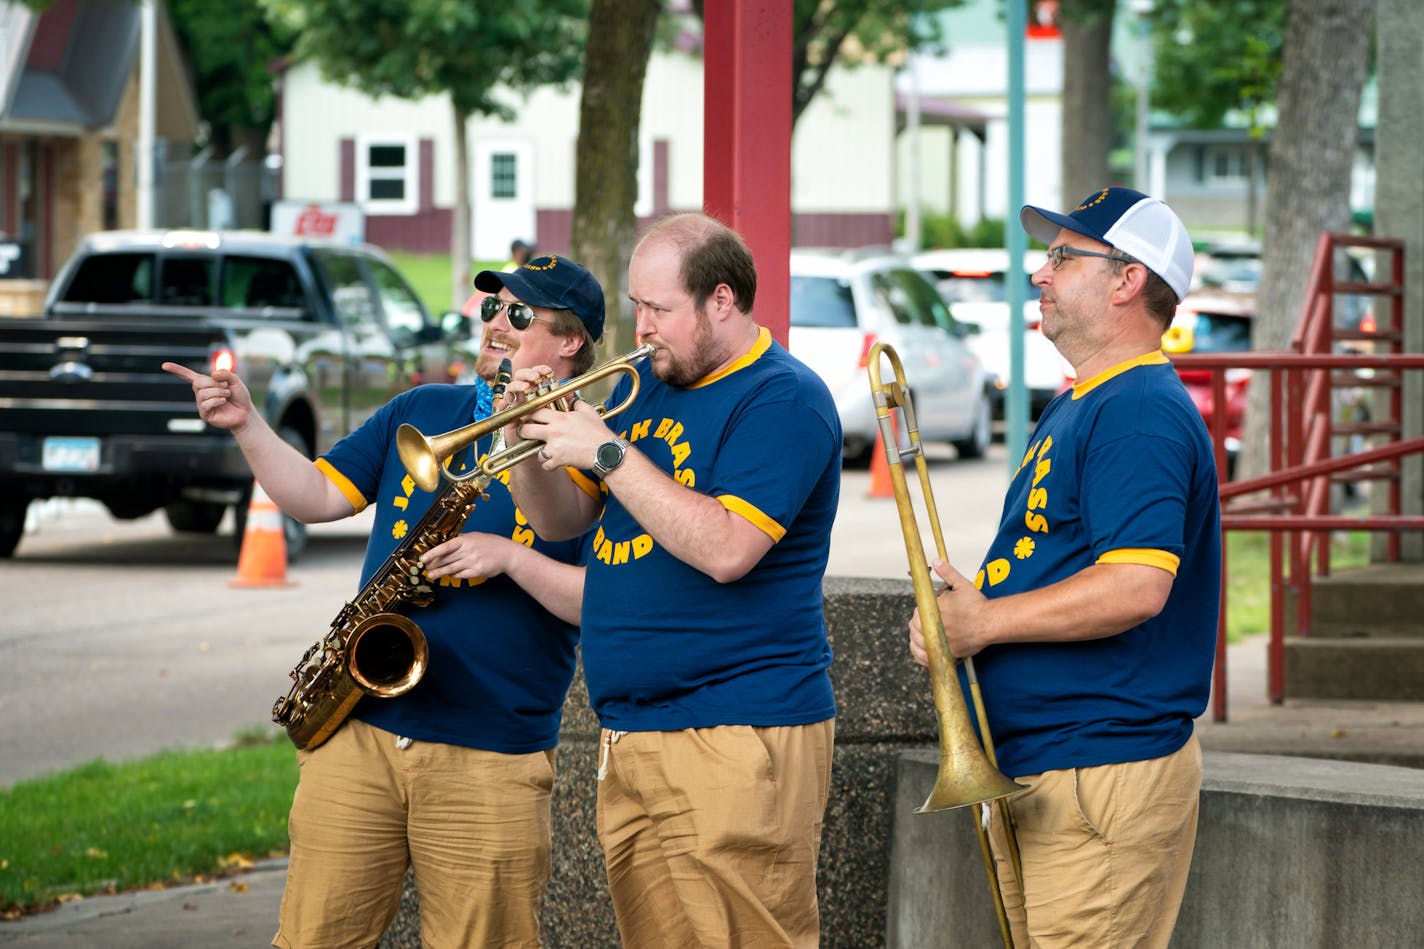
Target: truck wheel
293, 531
194, 517
12, 525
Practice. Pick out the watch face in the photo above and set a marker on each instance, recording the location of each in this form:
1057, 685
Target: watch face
609, 455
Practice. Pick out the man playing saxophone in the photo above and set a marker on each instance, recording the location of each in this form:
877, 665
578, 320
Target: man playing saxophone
452, 778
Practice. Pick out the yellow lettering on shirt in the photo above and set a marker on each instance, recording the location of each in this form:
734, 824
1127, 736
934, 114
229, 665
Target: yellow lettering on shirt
998, 570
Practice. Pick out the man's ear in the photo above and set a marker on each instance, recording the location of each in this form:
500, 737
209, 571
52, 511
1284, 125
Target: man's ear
723, 300
569, 345
1129, 284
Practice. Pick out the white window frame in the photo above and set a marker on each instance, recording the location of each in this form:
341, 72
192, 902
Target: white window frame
409, 174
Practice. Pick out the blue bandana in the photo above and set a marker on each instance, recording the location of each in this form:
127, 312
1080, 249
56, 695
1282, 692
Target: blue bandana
484, 399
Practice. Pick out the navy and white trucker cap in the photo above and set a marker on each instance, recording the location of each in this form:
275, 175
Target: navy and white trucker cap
1131, 221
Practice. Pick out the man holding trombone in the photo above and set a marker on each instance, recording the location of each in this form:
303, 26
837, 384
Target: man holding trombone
1093, 618
454, 777
704, 639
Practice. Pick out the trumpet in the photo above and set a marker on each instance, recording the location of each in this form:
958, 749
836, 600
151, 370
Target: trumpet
426, 456
968, 771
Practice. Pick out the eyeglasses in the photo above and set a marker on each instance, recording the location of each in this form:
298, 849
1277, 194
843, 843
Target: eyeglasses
1056, 255
520, 315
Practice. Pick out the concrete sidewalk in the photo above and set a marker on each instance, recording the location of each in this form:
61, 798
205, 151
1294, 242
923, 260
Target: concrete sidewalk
241, 911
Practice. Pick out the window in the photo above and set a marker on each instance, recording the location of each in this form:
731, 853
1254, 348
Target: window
1225, 165
404, 316
504, 175
349, 290
112, 278
261, 283
821, 301
387, 175
186, 281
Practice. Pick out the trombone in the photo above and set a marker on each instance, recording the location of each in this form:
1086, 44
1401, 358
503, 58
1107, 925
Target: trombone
426, 456
968, 772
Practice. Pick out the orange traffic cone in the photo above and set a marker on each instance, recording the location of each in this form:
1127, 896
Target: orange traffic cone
263, 560
880, 484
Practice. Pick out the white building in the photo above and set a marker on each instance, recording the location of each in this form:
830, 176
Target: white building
395, 158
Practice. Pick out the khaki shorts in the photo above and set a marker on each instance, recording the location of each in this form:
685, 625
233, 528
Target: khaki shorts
474, 825
1105, 851
711, 835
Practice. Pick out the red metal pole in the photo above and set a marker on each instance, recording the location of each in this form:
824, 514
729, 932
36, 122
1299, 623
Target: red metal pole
746, 159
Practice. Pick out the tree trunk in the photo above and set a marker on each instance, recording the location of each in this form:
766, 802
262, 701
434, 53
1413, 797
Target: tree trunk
620, 41
460, 288
1312, 151
1087, 115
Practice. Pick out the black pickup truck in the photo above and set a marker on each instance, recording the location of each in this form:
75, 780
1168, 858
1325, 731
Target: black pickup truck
323, 333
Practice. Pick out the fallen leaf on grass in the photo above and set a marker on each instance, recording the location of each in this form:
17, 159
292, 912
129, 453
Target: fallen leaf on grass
237, 886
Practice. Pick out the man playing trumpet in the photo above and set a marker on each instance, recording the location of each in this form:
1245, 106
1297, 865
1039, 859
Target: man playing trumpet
704, 640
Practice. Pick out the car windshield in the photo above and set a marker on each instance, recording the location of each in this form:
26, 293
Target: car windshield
821, 301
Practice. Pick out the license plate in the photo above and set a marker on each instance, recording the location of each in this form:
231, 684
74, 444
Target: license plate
71, 454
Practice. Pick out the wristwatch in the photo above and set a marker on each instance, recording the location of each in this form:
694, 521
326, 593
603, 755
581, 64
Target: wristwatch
609, 456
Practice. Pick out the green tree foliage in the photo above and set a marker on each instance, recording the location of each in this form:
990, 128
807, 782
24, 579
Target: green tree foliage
848, 32
414, 48
231, 48
1213, 58
476, 53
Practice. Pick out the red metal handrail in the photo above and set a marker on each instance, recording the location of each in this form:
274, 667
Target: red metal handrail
1301, 462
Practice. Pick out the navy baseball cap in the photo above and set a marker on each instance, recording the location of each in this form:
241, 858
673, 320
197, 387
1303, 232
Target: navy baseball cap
554, 283
1131, 221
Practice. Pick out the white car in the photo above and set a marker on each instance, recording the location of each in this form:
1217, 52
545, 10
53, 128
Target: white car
971, 281
843, 302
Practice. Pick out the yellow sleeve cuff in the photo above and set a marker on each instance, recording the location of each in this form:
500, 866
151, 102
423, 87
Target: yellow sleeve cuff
749, 511
1145, 556
348, 490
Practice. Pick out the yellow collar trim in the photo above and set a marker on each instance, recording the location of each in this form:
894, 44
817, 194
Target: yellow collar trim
762, 344
1146, 359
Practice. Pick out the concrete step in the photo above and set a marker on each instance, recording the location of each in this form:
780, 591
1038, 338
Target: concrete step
1385, 599
1382, 668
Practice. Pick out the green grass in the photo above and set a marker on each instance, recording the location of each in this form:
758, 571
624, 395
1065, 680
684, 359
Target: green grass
171, 818
429, 276
1248, 569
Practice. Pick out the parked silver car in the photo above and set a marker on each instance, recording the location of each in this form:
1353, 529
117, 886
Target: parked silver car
843, 302
971, 281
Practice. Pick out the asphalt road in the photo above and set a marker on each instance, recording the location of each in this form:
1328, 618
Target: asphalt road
119, 639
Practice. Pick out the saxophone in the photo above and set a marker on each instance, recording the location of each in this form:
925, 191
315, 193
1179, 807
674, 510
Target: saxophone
370, 649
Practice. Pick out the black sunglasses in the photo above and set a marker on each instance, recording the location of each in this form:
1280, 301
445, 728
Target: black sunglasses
520, 315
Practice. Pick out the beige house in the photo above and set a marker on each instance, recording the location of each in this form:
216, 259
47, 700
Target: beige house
69, 112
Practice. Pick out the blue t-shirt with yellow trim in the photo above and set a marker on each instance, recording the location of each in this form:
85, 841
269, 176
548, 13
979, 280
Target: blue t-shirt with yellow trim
500, 664
1119, 470
664, 645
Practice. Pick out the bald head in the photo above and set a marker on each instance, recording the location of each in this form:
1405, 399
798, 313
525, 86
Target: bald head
710, 254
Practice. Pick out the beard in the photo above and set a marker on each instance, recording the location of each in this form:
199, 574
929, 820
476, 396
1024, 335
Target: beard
683, 371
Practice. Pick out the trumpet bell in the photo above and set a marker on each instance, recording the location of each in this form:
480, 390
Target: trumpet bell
420, 457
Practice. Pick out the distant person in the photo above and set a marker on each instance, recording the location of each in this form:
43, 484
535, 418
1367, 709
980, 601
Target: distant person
1092, 621
519, 254
453, 778
704, 639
